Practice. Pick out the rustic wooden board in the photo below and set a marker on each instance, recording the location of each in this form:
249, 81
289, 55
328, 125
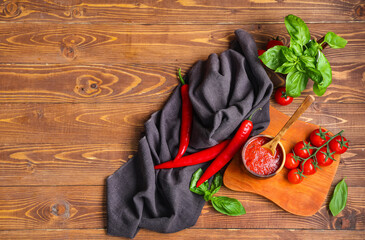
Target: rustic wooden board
100, 83
193, 234
304, 199
116, 123
84, 207
91, 164
179, 12
131, 44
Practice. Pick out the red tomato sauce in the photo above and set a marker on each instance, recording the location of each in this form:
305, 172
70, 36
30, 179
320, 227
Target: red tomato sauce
259, 160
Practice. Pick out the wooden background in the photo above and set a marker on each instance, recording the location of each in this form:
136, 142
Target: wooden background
79, 78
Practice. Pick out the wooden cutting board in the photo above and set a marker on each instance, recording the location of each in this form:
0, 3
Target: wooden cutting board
303, 199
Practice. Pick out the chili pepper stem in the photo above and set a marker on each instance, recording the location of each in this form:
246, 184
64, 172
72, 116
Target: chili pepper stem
180, 77
249, 119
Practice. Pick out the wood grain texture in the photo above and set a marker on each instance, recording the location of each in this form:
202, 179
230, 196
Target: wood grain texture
57, 164
83, 207
87, 83
179, 12
116, 123
130, 44
91, 164
66, 83
194, 234
80, 123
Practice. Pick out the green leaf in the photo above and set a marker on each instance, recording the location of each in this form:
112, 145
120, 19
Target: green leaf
314, 74
296, 82
289, 54
296, 48
273, 57
194, 179
216, 184
286, 68
319, 91
339, 198
214, 188
300, 67
228, 206
325, 68
297, 30
334, 40
312, 48
308, 61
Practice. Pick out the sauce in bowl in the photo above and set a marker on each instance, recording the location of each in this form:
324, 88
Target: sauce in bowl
259, 160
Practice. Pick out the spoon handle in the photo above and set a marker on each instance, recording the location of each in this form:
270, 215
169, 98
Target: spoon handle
301, 109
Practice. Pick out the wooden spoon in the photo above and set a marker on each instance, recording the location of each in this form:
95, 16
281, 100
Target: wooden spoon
271, 146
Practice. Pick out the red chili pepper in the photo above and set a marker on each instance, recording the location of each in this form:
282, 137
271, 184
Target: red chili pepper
195, 158
186, 118
227, 154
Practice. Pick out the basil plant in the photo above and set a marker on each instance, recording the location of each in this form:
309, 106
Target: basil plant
303, 59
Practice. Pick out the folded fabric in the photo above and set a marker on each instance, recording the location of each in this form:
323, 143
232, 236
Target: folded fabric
224, 90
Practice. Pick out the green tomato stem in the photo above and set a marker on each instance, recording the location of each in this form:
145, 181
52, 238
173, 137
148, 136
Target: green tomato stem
318, 148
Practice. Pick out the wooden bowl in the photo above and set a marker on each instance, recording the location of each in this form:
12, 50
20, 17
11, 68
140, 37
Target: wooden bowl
256, 175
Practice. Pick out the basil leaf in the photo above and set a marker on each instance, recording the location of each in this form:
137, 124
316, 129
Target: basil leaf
324, 67
300, 67
297, 30
286, 68
273, 57
339, 198
296, 82
308, 61
214, 188
314, 74
296, 48
228, 206
216, 184
289, 54
312, 48
319, 91
194, 179
334, 40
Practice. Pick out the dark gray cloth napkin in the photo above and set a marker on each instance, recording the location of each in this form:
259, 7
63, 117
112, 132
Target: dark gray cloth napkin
224, 90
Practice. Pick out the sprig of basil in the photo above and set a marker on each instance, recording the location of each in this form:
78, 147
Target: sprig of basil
339, 198
303, 59
228, 206
225, 205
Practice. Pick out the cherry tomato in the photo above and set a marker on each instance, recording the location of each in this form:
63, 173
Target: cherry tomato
260, 52
294, 176
323, 158
319, 137
300, 151
291, 162
281, 97
308, 167
339, 144
273, 43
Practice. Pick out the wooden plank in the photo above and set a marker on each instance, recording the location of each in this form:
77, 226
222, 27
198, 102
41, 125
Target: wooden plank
116, 123
83, 207
91, 164
116, 44
87, 83
64, 83
179, 12
74, 123
233, 234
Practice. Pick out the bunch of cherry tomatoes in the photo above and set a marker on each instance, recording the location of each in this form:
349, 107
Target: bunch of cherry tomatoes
307, 157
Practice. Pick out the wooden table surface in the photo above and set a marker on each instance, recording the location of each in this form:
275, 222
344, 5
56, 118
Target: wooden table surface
79, 78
